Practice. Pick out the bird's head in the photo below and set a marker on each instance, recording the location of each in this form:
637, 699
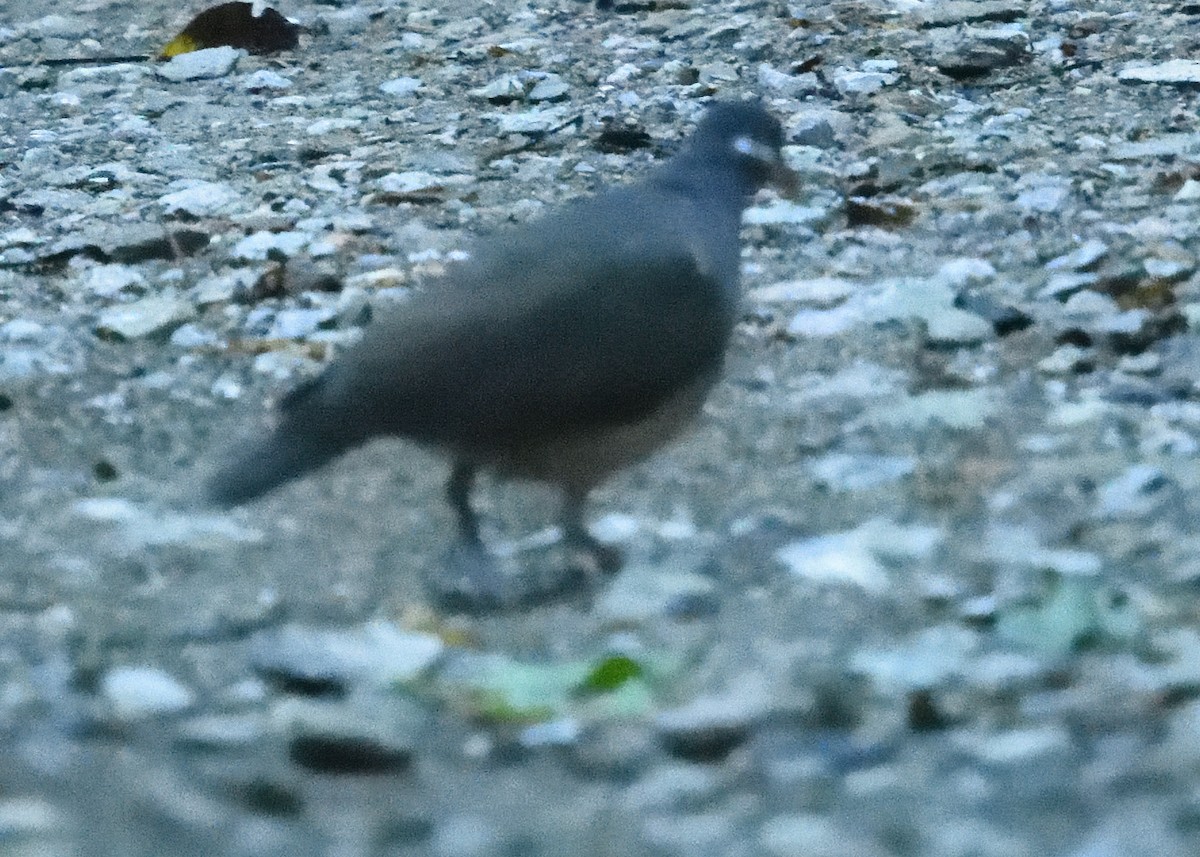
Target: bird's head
743, 138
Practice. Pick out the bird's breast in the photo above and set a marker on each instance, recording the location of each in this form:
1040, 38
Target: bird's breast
586, 458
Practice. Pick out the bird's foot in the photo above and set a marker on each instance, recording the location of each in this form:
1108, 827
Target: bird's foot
476, 581
592, 556
473, 580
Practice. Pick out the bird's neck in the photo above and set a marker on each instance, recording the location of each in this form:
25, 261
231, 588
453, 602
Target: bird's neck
690, 174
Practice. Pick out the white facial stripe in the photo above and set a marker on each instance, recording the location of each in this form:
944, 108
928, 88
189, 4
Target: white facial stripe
755, 149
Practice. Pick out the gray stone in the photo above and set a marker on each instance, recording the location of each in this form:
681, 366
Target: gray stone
376, 736
549, 88
150, 316
709, 727
784, 212
299, 323
562, 732
685, 835
645, 593
813, 836
22, 236
22, 817
1066, 360
718, 72
957, 409
419, 183
1178, 72
1045, 194
843, 472
1015, 747
1165, 145
676, 786
785, 84
1082, 258
265, 79
23, 330
827, 322
950, 12
1189, 192
135, 692
191, 336
259, 246
928, 660
138, 527
814, 130
1135, 492
376, 653
346, 22
851, 82
110, 280
1127, 323
975, 51
401, 87
822, 292
615, 750
225, 731
465, 836
1169, 269
199, 65
200, 199
530, 121
503, 90
331, 125
60, 26
958, 327
1088, 304
221, 288
1064, 284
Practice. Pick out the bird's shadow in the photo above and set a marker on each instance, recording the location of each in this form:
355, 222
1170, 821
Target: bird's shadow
472, 579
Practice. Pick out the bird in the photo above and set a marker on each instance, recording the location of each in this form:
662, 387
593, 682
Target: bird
560, 351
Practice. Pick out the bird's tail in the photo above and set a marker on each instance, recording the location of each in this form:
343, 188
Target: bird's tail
267, 463
295, 447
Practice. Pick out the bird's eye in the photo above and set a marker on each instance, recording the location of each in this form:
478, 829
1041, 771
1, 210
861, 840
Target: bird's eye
752, 148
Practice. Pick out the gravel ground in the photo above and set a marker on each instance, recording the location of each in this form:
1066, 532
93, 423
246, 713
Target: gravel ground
924, 581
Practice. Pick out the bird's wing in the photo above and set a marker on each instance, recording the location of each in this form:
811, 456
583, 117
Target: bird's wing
593, 319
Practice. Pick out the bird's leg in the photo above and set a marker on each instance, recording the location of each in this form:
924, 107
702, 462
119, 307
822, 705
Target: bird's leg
458, 491
473, 581
606, 558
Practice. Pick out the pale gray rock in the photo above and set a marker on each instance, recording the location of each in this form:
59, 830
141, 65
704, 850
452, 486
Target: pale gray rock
200, 65
401, 87
260, 245
465, 836
1177, 72
299, 323
843, 472
813, 835
110, 280
975, 51
1083, 257
135, 692
709, 727
150, 316
377, 653
200, 199
266, 80
1135, 492
950, 12
854, 82
549, 88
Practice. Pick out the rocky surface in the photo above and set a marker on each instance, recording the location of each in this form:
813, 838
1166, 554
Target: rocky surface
923, 581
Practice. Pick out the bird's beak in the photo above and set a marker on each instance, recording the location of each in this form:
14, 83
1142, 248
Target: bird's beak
784, 179
779, 175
